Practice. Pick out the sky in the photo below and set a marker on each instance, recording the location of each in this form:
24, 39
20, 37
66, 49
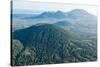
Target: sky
31, 6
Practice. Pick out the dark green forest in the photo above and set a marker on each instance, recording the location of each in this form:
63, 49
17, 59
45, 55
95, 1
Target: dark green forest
50, 44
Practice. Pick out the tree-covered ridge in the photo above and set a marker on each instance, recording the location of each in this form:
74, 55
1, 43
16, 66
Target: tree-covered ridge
48, 43
43, 33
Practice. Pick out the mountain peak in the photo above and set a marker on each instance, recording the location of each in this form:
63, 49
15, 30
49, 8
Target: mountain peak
60, 12
79, 11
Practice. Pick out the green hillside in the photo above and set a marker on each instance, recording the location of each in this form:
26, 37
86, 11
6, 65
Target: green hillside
48, 43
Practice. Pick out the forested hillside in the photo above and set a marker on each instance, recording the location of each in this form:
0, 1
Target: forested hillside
49, 43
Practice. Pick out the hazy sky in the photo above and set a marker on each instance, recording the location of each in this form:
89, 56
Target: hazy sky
45, 6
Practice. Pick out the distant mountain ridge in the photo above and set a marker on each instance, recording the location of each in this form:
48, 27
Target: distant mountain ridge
59, 14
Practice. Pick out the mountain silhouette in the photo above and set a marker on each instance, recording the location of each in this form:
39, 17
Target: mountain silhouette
57, 15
